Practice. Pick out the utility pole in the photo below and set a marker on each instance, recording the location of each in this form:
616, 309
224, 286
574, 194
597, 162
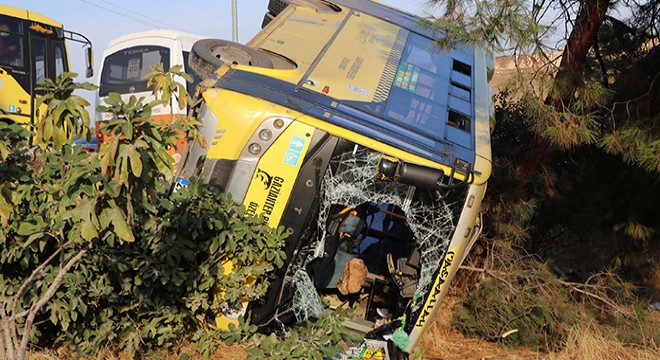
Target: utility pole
234, 21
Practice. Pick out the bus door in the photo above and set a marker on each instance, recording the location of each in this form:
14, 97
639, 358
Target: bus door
47, 55
30, 52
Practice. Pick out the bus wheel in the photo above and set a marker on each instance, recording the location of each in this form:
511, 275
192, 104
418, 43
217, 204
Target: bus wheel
209, 54
316, 5
268, 17
275, 7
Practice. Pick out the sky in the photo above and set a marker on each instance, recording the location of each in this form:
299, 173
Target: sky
103, 20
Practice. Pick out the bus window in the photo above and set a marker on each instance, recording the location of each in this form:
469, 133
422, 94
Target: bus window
60, 62
11, 42
418, 95
124, 71
39, 59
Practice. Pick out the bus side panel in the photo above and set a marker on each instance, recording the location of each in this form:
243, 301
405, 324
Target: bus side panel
14, 101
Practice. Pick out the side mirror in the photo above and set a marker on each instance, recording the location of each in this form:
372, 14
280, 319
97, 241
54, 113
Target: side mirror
89, 62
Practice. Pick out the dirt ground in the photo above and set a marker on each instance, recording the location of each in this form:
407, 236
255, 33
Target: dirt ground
440, 342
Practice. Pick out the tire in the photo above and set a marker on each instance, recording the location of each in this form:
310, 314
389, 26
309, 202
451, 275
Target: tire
268, 17
321, 6
208, 55
276, 6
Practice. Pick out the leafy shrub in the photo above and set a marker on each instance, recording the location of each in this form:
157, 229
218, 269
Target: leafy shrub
320, 338
159, 288
93, 250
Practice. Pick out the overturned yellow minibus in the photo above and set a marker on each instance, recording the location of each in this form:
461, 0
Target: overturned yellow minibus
346, 123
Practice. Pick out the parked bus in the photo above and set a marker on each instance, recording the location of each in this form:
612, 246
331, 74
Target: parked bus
345, 123
32, 48
128, 58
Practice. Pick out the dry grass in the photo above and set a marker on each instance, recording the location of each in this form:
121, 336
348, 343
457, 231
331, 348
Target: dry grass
585, 342
442, 342
63, 353
588, 343
223, 352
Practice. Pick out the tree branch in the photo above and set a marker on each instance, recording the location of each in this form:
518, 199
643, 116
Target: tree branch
576, 287
7, 335
601, 62
12, 320
588, 21
54, 286
628, 102
31, 278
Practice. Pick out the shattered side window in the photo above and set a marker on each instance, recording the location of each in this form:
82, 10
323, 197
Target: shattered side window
428, 217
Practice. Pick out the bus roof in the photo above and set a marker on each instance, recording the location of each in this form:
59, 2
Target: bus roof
391, 14
157, 33
394, 88
28, 15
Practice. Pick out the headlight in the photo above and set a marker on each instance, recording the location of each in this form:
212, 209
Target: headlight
254, 149
243, 171
265, 134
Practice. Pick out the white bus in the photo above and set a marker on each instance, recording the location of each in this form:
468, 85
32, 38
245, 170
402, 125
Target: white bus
127, 60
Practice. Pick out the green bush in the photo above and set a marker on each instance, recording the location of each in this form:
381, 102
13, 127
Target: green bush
319, 338
93, 250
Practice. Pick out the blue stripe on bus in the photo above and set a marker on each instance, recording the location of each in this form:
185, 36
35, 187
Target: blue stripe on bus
321, 107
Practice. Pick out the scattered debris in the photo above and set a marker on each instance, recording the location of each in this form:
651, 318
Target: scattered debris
353, 277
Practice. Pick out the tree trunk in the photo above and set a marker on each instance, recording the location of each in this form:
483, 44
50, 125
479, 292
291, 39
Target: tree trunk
582, 38
583, 35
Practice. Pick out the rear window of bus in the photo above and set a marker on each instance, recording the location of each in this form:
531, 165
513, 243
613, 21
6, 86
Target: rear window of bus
123, 72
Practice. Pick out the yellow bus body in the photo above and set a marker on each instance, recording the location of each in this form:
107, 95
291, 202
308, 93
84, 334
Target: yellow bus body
18, 79
366, 82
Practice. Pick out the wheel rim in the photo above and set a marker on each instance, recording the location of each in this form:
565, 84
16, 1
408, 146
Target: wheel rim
232, 55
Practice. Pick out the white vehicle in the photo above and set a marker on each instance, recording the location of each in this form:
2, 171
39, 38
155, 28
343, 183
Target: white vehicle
127, 60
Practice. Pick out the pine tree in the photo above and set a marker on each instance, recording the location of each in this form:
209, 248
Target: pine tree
577, 106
